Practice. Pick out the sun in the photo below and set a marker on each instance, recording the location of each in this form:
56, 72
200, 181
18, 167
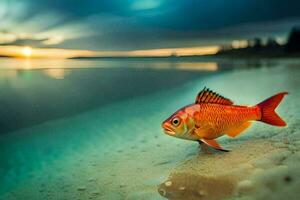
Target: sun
27, 51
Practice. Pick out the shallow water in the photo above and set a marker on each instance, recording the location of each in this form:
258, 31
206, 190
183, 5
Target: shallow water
34, 96
91, 130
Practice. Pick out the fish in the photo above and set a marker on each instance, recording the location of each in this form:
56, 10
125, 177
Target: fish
212, 116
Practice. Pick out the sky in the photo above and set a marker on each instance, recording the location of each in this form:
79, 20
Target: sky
105, 27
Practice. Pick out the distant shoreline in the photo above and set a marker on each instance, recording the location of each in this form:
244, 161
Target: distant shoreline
217, 56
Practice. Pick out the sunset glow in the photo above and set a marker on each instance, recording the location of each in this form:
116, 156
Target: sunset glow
18, 51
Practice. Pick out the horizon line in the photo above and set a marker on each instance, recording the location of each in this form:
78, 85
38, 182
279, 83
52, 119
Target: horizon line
22, 52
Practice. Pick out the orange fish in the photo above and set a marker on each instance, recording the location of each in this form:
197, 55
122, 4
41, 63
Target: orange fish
212, 116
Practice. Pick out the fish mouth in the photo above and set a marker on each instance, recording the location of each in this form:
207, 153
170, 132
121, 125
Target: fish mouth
168, 130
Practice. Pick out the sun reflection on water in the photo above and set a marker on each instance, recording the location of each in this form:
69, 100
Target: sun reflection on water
57, 66
56, 73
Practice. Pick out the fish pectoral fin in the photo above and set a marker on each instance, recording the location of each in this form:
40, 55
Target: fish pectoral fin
204, 131
214, 144
238, 129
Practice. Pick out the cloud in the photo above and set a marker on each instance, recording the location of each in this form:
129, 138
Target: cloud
141, 24
23, 39
7, 37
26, 42
123, 34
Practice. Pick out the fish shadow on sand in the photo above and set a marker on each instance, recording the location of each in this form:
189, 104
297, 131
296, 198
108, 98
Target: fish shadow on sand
214, 176
191, 186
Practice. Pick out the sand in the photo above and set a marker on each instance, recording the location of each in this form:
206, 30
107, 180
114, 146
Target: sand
120, 151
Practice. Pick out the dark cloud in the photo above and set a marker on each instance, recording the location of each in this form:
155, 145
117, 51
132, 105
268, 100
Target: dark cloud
144, 24
181, 14
26, 42
134, 39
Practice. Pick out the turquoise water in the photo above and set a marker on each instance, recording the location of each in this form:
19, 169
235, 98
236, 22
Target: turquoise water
32, 96
91, 130
46, 115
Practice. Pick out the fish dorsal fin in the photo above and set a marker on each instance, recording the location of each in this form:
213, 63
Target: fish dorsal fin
208, 96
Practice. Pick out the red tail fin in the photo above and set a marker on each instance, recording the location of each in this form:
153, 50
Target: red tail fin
268, 106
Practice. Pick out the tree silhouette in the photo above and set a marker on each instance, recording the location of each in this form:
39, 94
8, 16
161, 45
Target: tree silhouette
257, 44
272, 43
293, 44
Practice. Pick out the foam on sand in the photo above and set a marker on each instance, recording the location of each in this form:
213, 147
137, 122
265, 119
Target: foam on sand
120, 151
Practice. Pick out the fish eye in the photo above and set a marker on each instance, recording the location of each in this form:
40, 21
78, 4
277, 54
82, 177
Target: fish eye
175, 121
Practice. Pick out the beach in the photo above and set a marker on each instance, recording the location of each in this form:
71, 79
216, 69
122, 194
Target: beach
120, 151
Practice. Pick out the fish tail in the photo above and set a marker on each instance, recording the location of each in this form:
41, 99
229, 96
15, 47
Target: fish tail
267, 108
